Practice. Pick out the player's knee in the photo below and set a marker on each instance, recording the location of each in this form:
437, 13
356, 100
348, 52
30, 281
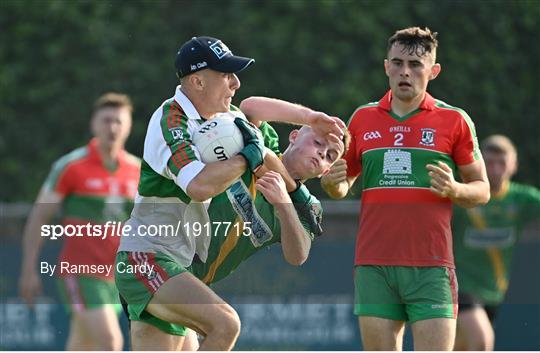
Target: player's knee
482, 342
110, 341
227, 325
231, 322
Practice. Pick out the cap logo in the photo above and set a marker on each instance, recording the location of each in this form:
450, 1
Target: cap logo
199, 65
220, 49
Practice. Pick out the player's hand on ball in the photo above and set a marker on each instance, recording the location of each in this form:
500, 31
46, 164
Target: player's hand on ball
272, 186
254, 149
249, 131
442, 180
336, 175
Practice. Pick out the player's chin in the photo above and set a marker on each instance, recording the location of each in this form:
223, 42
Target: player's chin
404, 96
107, 143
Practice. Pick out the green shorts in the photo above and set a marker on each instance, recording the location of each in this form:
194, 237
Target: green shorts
137, 285
80, 293
405, 293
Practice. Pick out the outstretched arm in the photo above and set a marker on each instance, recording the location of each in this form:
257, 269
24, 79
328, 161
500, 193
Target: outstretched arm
259, 109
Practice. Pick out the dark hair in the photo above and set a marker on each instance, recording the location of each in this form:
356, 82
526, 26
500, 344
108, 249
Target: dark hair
113, 100
415, 40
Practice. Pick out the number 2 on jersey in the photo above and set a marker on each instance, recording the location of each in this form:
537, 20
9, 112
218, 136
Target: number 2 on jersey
398, 138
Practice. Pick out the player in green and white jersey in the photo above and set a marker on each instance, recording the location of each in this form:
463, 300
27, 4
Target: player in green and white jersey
308, 156
484, 242
251, 215
256, 203
174, 190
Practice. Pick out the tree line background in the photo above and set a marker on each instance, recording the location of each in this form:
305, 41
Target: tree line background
57, 57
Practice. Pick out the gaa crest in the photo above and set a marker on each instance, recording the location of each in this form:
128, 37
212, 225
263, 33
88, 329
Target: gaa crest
428, 137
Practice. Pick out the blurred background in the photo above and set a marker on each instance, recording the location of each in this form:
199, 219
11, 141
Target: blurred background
57, 57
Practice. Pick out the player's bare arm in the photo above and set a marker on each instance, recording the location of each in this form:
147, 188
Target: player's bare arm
215, 178
259, 109
45, 207
336, 183
294, 240
471, 192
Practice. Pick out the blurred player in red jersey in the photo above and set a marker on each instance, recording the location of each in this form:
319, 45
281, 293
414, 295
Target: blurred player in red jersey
407, 147
92, 184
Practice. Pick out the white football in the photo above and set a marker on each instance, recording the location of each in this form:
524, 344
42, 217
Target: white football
218, 139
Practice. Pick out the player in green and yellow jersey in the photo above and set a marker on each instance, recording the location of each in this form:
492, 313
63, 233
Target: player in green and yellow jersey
484, 242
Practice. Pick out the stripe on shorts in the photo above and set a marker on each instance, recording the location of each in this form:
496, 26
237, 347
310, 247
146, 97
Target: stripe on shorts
152, 283
453, 288
135, 259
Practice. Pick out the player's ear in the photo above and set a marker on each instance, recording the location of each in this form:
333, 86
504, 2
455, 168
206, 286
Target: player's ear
292, 136
435, 70
513, 165
196, 81
386, 66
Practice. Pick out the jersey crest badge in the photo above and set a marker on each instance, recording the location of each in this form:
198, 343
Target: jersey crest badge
428, 137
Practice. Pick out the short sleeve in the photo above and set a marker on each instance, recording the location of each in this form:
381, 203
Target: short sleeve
465, 149
58, 180
61, 178
271, 138
174, 127
353, 156
529, 203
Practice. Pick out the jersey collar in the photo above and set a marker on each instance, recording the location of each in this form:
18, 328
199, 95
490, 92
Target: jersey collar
186, 104
427, 104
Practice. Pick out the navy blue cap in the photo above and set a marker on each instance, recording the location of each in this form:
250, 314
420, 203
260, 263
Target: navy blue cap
200, 53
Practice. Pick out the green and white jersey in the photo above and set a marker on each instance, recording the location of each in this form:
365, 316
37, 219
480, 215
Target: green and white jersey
243, 222
163, 214
485, 238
